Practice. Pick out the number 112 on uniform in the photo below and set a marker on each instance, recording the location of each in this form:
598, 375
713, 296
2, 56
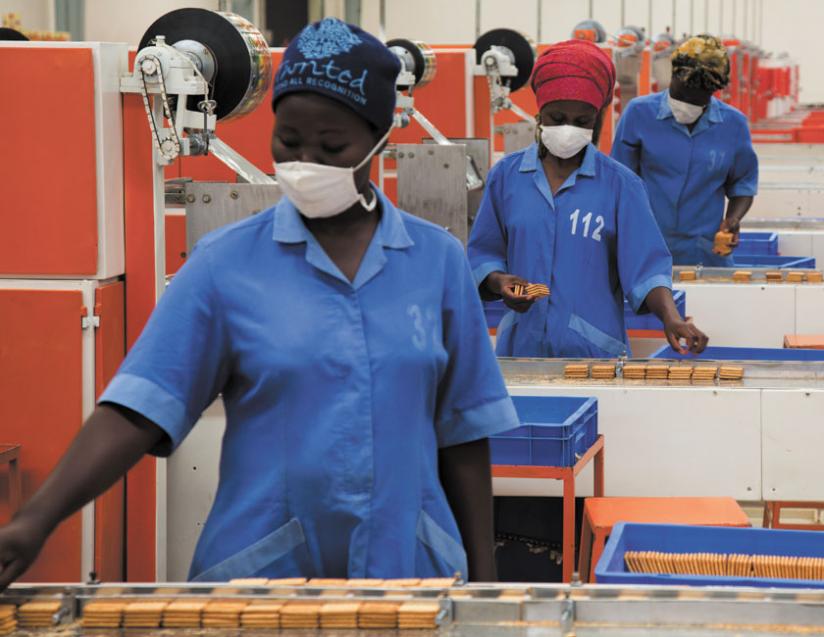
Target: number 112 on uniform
585, 223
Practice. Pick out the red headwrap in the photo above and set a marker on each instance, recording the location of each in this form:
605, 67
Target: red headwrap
574, 70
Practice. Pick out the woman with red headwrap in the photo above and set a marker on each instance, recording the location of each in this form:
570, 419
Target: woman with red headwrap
562, 213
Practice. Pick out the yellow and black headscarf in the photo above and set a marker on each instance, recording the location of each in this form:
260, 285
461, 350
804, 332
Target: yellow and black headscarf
702, 62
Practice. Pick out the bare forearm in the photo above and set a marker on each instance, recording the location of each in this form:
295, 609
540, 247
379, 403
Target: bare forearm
106, 447
466, 476
659, 301
737, 208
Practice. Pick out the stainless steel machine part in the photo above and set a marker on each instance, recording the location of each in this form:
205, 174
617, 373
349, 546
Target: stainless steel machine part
477, 151
442, 169
517, 136
212, 205
514, 610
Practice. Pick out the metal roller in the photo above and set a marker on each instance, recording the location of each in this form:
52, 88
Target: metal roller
228, 50
416, 58
518, 49
630, 38
590, 30
663, 42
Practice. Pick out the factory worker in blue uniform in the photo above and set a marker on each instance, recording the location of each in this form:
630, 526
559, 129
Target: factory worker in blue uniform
693, 151
347, 341
563, 214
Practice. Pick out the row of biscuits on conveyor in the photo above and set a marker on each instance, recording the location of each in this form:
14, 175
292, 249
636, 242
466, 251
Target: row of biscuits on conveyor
746, 276
395, 608
656, 372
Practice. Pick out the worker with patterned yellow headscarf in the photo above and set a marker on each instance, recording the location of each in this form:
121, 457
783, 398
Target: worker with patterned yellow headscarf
693, 151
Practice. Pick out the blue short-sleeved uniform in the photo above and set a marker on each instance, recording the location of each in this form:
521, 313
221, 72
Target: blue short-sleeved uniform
594, 243
338, 395
688, 174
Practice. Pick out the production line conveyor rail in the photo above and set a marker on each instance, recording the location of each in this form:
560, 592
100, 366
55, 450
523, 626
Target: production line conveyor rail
506, 610
807, 375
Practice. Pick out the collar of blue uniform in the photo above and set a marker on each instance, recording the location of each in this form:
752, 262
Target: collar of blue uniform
531, 161
713, 110
288, 226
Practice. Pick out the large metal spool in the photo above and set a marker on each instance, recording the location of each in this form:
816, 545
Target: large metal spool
227, 49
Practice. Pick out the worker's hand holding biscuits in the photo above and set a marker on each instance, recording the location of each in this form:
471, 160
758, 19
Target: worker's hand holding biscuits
727, 237
504, 285
684, 337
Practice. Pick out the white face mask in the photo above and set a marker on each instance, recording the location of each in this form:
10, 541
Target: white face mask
320, 191
684, 112
565, 141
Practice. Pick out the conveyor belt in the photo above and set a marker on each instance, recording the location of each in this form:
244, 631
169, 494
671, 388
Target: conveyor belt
504, 609
725, 275
757, 374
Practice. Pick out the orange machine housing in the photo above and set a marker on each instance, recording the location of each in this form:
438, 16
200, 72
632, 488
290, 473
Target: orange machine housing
61, 265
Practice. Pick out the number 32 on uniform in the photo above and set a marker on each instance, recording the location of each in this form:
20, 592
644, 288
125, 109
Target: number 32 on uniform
585, 224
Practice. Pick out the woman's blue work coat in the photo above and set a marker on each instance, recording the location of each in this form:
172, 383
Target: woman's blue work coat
593, 243
687, 173
338, 395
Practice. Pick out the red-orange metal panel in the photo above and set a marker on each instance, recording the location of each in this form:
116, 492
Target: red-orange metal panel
110, 511
41, 404
175, 242
49, 120
443, 101
645, 75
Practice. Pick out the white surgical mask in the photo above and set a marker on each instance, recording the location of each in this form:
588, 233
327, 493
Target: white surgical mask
684, 112
320, 191
565, 141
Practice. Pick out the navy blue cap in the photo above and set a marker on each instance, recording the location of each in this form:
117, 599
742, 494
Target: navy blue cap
341, 61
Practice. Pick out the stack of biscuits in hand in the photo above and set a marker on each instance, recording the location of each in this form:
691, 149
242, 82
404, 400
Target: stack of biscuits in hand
538, 290
723, 243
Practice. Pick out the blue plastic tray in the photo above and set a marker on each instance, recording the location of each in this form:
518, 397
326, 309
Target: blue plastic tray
633, 321
554, 432
744, 354
772, 261
669, 538
763, 243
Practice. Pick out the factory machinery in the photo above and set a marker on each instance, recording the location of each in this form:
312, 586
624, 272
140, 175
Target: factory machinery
155, 153
477, 610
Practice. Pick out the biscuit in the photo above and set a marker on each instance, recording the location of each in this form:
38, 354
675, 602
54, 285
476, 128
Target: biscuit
418, 614
742, 276
722, 244
728, 372
603, 372
796, 277
249, 581
378, 615
635, 372
815, 277
576, 370
687, 275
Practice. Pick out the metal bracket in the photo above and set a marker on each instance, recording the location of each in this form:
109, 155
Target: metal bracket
87, 322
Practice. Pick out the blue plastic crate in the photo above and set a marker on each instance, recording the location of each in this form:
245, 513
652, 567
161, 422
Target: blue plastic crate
555, 431
744, 354
763, 243
494, 312
772, 261
633, 321
670, 538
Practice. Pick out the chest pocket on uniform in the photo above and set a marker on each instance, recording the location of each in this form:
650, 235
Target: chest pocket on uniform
717, 162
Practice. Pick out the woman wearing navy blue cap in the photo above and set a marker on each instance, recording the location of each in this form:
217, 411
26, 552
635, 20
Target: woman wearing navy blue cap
347, 341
